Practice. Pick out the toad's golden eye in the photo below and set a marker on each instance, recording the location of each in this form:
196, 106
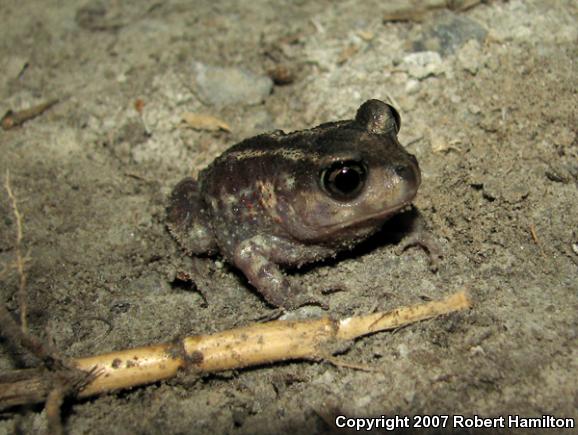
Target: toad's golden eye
344, 180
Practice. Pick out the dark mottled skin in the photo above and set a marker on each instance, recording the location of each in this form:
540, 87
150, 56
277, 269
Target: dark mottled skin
271, 200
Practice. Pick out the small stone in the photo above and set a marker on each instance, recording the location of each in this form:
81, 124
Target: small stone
412, 86
305, 312
448, 32
455, 99
220, 86
474, 109
439, 144
423, 64
477, 350
469, 56
403, 350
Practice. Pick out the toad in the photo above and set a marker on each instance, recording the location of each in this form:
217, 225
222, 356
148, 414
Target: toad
283, 200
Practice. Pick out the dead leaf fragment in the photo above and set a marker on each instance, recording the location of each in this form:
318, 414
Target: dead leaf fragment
199, 121
347, 53
366, 35
139, 105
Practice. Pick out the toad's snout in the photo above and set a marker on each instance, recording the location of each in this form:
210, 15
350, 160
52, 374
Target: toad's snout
404, 179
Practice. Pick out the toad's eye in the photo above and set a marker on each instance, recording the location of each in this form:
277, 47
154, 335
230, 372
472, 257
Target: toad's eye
344, 180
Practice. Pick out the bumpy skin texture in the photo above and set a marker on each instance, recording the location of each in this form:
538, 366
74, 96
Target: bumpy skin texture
290, 199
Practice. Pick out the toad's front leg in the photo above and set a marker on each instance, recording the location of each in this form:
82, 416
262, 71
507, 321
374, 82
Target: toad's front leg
256, 259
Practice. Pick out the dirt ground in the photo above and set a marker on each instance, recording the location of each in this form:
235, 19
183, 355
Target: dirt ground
488, 99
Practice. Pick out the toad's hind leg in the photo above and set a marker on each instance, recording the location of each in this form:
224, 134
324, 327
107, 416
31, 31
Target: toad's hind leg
187, 219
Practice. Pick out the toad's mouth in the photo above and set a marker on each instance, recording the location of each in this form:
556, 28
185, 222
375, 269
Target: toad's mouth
368, 219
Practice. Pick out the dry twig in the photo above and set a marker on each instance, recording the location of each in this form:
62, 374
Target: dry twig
237, 348
15, 119
20, 260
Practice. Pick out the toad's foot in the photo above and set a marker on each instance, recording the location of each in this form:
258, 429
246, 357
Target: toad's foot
422, 238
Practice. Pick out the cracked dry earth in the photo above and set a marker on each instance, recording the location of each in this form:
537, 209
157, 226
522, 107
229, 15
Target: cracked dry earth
488, 100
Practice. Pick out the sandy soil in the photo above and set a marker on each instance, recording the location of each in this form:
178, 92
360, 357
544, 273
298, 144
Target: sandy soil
490, 113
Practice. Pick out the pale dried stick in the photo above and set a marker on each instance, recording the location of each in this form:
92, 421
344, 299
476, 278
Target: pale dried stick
237, 348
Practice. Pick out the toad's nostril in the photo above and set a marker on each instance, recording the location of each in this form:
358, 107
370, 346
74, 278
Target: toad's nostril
407, 173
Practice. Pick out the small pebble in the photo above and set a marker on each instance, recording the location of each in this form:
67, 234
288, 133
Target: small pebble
448, 33
469, 57
412, 86
439, 143
220, 86
477, 350
423, 64
474, 109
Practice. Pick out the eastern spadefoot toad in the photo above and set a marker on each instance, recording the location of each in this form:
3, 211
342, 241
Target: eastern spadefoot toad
288, 199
